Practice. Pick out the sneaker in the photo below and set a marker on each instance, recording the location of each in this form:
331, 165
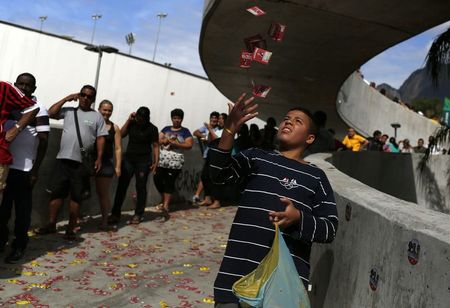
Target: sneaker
14, 256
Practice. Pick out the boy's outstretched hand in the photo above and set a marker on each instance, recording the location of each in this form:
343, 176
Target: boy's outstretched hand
288, 217
240, 112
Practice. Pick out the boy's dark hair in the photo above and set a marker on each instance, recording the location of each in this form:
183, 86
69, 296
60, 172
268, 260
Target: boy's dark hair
214, 114
224, 116
177, 113
88, 86
29, 75
313, 127
376, 133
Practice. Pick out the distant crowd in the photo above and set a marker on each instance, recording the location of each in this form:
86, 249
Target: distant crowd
396, 99
383, 143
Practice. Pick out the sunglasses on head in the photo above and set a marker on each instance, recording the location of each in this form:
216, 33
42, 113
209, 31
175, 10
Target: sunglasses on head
86, 95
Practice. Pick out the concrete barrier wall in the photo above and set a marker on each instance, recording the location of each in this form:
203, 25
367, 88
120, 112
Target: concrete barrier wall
365, 109
380, 171
432, 182
399, 175
185, 185
372, 243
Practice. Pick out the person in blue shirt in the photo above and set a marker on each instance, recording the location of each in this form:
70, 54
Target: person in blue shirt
174, 140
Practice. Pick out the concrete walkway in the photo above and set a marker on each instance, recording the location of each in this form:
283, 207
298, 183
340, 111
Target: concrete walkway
154, 264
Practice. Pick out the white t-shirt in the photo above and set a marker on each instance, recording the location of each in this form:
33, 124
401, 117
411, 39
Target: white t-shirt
24, 147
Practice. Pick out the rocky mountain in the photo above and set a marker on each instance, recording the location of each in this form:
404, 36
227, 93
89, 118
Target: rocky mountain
391, 92
419, 85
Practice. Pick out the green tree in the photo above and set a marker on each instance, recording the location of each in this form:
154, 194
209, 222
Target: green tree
431, 107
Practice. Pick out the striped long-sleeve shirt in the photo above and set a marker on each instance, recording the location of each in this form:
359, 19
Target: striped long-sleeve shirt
265, 178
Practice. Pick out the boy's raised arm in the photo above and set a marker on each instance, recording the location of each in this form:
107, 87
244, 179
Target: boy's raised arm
223, 167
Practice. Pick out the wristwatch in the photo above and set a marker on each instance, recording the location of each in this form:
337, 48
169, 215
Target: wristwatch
18, 127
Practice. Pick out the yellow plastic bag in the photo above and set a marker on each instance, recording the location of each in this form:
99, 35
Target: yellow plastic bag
275, 282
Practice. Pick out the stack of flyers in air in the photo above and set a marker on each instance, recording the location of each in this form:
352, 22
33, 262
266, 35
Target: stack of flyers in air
261, 91
277, 31
261, 55
246, 59
256, 11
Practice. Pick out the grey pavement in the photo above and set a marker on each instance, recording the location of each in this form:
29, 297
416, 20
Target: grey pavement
154, 264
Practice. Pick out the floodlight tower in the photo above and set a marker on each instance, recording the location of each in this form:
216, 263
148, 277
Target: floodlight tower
160, 17
130, 39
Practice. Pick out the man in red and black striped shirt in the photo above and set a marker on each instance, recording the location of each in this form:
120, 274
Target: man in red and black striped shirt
12, 99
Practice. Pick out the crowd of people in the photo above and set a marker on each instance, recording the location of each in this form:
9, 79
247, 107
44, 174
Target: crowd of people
277, 187
91, 147
383, 143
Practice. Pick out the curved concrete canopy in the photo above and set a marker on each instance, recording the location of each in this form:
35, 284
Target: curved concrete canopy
325, 42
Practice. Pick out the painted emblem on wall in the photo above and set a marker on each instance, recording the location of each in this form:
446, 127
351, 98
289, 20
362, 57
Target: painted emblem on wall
413, 251
373, 280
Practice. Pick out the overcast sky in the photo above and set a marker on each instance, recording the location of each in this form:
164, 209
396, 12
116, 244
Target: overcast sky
179, 36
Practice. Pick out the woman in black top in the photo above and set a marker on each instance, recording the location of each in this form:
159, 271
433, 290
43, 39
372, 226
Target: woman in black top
141, 158
113, 145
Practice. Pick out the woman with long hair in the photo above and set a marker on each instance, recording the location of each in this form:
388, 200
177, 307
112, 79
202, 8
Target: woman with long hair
110, 165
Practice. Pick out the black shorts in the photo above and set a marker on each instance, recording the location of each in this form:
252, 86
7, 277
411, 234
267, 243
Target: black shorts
165, 179
69, 176
107, 169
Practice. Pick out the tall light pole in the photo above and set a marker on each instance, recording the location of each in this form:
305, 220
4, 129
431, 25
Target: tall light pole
160, 16
95, 17
42, 18
99, 49
130, 39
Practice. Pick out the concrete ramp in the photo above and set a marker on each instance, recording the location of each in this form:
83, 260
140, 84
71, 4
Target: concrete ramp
365, 109
325, 42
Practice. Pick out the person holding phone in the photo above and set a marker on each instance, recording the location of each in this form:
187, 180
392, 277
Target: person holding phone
141, 157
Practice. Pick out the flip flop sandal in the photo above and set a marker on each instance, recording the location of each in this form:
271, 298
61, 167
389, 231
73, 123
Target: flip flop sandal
136, 220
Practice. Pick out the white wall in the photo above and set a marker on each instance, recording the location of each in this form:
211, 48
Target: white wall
62, 66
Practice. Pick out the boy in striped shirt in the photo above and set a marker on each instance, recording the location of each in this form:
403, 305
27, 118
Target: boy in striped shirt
278, 186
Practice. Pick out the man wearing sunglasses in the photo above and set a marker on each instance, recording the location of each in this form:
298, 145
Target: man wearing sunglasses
69, 176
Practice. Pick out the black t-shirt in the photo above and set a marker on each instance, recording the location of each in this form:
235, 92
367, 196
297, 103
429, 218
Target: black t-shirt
140, 142
108, 150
